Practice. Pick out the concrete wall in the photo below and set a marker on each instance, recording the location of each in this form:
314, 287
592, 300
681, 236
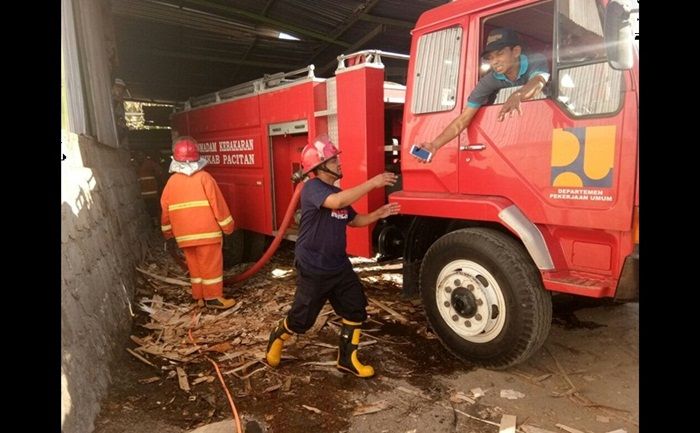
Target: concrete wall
104, 233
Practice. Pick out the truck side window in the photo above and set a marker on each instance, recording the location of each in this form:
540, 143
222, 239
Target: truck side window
437, 66
586, 84
534, 26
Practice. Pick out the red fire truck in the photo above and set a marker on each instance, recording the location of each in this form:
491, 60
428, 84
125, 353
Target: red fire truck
505, 213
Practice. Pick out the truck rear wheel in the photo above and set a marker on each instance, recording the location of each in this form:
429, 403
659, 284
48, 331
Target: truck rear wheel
484, 298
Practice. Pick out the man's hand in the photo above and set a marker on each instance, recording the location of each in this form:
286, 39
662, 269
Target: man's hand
387, 210
384, 179
511, 106
430, 147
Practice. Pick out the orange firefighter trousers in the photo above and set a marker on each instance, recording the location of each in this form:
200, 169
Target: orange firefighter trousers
206, 265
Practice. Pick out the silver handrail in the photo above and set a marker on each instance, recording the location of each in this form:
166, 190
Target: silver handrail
370, 56
251, 87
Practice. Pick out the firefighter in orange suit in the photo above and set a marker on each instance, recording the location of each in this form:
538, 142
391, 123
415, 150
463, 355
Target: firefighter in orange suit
195, 213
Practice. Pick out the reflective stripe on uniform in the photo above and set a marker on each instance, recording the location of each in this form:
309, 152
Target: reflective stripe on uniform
195, 280
212, 280
188, 204
166, 228
226, 221
198, 236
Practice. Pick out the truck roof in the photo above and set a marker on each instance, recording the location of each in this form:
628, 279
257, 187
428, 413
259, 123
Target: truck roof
454, 9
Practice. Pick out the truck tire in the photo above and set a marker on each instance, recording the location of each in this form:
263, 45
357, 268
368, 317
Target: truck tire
484, 298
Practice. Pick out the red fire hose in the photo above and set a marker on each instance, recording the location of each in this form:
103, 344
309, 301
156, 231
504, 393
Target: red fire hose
270, 250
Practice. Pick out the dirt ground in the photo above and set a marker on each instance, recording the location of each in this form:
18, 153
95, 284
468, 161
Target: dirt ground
585, 377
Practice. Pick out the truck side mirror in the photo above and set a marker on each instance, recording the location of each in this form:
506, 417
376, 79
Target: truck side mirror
618, 35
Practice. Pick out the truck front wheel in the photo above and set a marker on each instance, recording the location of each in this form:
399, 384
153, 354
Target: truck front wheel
484, 299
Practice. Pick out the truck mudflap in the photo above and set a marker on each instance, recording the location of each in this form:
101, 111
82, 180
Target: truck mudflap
628, 285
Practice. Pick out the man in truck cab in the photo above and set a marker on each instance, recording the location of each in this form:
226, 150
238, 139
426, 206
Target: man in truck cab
510, 67
324, 271
195, 213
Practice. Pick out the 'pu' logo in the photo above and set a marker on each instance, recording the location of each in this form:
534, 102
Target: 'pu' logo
583, 157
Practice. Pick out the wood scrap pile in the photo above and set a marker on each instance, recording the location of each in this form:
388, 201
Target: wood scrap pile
179, 332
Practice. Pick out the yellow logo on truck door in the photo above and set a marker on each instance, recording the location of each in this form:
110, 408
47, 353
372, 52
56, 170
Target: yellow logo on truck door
583, 157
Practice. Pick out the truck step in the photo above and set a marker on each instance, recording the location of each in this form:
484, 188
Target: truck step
579, 285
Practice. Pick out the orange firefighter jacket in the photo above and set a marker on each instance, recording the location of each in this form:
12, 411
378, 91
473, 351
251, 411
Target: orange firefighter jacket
194, 210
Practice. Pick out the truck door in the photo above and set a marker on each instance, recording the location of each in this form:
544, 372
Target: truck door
565, 152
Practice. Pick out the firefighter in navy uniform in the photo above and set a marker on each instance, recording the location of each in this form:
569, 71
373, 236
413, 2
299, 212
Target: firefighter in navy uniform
324, 271
195, 213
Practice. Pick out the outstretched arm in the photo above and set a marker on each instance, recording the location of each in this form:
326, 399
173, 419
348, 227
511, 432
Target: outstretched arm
347, 197
382, 212
528, 91
452, 130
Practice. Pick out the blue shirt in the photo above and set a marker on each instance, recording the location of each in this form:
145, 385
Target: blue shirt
322, 239
488, 86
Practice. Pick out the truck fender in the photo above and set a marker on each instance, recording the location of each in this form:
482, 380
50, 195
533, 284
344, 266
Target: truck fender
529, 234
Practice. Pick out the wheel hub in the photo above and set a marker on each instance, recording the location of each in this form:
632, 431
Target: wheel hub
463, 302
470, 301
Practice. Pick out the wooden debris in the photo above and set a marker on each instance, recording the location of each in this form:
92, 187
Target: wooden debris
470, 416
391, 311
620, 430
477, 392
164, 279
413, 392
568, 429
603, 419
322, 363
272, 388
220, 347
182, 379
149, 379
137, 340
141, 358
370, 408
533, 429
320, 323
511, 394
507, 424
208, 379
543, 377
247, 376
287, 384
459, 397
310, 408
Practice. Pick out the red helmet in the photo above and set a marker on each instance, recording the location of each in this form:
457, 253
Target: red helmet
314, 154
185, 150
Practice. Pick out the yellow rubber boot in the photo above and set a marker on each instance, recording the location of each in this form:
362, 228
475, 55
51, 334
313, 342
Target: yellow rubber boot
347, 351
274, 346
220, 303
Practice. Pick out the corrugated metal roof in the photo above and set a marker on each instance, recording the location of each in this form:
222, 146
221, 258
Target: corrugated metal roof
174, 49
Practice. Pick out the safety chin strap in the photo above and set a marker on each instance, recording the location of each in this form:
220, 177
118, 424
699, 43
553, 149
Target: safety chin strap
324, 168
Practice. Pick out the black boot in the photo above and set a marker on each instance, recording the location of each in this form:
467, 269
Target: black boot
347, 350
277, 338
